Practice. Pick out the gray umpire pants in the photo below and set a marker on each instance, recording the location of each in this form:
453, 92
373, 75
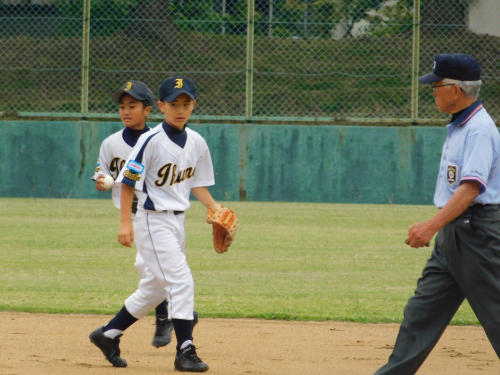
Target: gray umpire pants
465, 263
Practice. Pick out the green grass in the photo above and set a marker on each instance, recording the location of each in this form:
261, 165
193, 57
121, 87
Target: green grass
296, 261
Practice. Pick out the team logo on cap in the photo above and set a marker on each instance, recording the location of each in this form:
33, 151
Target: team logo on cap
128, 86
179, 82
434, 67
452, 174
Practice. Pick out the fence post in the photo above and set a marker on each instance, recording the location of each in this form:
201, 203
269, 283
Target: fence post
250, 39
85, 57
415, 60
223, 17
270, 27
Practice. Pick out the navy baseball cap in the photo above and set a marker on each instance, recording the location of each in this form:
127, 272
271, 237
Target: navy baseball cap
459, 66
135, 89
172, 87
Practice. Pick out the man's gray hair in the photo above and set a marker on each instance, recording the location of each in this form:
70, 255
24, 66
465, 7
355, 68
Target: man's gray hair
470, 88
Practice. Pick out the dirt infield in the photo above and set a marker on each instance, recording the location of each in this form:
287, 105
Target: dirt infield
58, 344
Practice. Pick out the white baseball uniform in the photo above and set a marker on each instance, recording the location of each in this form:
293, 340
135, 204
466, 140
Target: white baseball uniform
164, 169
112, 156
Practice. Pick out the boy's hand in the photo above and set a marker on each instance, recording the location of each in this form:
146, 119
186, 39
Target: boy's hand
98, 183
126, 234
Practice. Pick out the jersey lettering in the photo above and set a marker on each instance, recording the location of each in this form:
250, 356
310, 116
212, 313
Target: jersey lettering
132, 176
116, 166
183, 175
164, 174
179, 83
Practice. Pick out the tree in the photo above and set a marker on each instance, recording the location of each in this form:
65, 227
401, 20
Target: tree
353, 11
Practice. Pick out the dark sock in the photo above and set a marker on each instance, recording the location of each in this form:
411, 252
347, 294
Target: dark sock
121, 321
162, 309
183, 331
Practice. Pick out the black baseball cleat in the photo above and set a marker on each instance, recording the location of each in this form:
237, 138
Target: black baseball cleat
163, 333
187, 360
109, 347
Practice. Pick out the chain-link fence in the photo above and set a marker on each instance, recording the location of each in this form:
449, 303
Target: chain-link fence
283, 60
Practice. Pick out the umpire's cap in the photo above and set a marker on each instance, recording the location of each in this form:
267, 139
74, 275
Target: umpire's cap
459, 66
135, 89
172, 87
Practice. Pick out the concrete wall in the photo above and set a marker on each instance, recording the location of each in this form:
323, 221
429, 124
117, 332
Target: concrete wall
484, 16
344, 164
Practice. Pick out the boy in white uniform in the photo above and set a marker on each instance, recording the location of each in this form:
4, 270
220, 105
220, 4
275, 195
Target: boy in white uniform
135, 100
165, 166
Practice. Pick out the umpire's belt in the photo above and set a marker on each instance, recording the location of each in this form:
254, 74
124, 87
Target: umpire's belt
481, 209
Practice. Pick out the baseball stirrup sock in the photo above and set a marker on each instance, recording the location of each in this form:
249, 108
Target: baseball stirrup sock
162, 308
183, 331
119, 323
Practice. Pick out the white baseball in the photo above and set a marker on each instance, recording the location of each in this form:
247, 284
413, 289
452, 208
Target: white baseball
107, 182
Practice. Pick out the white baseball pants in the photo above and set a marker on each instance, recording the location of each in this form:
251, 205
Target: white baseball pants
160, 240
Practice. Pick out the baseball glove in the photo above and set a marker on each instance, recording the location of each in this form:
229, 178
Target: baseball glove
224, 224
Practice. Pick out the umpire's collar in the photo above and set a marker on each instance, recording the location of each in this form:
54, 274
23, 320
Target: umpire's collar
468, 113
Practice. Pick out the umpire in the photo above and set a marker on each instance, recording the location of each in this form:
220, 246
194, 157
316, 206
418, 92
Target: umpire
465, 262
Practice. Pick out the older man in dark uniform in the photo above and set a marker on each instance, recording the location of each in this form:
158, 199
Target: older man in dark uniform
465, 262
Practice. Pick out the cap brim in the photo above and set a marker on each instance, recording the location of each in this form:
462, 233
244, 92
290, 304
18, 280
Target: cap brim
175, 94
430, 78
118, 94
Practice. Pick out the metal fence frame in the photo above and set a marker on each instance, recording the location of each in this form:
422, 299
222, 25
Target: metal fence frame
249, 116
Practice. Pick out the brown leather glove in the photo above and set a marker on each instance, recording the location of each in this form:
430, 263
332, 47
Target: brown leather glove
224, 224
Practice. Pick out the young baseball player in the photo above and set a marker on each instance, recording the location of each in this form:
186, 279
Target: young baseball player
135, 100
165, 166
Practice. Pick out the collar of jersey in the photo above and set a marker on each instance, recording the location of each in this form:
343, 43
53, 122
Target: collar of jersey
179, 137
169, 129
468, 113
131, 136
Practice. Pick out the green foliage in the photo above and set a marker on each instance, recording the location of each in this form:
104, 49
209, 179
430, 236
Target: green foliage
291, 261
197, 16
352, 11
110, 16
394, 19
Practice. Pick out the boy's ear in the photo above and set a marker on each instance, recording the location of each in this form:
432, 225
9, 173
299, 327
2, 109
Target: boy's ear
160, 105
147, 110
194, 103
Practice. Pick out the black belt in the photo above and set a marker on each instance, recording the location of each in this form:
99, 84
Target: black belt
167, 211
482, 208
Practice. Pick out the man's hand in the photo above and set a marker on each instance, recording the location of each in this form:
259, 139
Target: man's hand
98, 185
420, 234
126, 234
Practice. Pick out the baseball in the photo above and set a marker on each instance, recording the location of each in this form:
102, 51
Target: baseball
107, 182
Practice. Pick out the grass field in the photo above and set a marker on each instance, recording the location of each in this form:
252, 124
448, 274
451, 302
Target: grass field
292, 261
